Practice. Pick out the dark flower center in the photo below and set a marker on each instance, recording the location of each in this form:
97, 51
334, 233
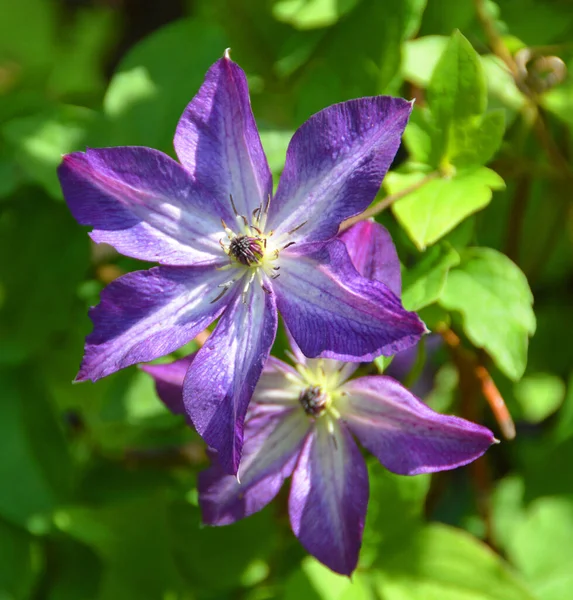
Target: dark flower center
313, 400
246, 250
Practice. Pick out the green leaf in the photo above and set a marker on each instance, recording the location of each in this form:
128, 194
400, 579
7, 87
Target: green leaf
78, 68
155, 82
200, 551
132, 540
494, 299
542, 547
394, 511
457, 89
27, 33
420, 57
39, 283
314, 581
474, 142
35, 467
39, 140
539, 395
275, 142
22, 561
374, 31
423, 284
443, 563
439, 205
309, 14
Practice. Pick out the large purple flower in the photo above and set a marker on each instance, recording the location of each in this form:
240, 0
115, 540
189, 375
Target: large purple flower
301, 423
228, 249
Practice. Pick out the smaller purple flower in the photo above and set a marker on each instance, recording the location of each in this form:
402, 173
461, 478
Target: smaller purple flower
301, 423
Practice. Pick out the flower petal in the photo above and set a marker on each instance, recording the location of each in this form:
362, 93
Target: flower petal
169, 379
275, 385
221, 380
373, 253
147, 314
144, 204
329, 496
332, 311
218, 142
272, 444
404, 434
335, 164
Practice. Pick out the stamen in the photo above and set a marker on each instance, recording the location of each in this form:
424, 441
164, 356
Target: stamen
287, 245
247, 285
313, 400
297, 228
291, 356
233, 205
223, 292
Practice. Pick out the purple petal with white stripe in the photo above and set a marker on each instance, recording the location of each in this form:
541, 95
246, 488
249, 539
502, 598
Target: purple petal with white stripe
147, 314
169, 379
273, 437
329, 496
373, 253
144, 204
218, 142
332, 311
335, 164
220, 382
404, 434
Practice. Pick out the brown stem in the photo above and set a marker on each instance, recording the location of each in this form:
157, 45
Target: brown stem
388, 201
468, 363
494, 39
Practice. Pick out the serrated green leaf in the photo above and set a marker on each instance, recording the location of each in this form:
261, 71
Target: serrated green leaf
423, 284
443, 563
494, 299
438, 206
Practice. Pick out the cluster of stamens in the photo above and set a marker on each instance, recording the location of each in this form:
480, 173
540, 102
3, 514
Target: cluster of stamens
252, 252
313, 400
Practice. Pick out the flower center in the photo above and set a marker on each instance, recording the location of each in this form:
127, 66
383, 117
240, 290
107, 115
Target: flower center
314, 400
247, 250
253, 252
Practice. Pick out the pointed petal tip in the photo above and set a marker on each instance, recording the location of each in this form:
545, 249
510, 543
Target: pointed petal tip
227, 54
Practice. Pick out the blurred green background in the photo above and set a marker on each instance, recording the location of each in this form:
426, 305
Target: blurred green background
97, 482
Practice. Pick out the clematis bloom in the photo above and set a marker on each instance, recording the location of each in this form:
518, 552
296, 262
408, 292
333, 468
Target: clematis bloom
301, 423
229, 250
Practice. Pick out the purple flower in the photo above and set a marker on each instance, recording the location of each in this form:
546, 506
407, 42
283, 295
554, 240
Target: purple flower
230, 251
301, 423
